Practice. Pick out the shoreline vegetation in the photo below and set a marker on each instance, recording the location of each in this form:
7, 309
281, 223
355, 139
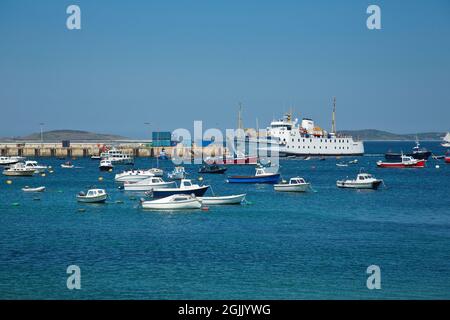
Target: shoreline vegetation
78, 135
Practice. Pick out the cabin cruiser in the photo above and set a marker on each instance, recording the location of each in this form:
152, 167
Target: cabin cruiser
362, 181
92, 196
105, 165
186, 187
147, 184
117, 157
18, 169
133, 175
34, 165
6, 161
296, 184
173, 202
177, 174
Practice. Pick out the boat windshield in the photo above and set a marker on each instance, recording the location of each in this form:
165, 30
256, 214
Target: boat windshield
187, 183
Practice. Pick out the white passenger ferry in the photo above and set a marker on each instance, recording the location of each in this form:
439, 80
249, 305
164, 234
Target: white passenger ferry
307, 139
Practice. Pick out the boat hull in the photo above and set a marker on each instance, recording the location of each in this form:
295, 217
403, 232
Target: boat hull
354, 185
423, 155
218, 171
97, 199
146, 187
418, 164
447, 159
105, 168
26, 173
233, 161
224, 200
270, 178
292, 187
162, 193
180, 205
38, 189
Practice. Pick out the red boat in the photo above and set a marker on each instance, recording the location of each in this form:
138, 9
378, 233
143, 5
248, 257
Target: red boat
407, 162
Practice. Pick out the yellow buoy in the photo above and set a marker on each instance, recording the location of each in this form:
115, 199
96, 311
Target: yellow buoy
43, 175
110, 170
8, 182
100, 178
51, 171
200, 178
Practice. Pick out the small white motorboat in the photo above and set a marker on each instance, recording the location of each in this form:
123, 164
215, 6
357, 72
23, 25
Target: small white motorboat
295, 184
93, 196
18, 170
173, 202
34, 165
7, 161
147, 184
30, 189
67, 165
223, 200
133, 175
105, 165
362, 181
177, 174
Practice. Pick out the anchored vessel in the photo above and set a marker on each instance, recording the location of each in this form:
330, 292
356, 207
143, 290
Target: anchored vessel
117, 157
362, 181
305, 138
417, 153
406, 162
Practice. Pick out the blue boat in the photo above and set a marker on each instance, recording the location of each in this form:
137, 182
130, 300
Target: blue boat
261, 176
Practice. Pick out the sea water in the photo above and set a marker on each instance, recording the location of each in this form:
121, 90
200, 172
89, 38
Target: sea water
316, 245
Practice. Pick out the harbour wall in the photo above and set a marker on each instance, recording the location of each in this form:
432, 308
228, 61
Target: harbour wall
88, 149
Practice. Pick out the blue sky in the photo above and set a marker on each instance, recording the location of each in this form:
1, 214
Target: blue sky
172, 62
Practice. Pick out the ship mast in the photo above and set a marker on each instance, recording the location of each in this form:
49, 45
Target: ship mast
333, 119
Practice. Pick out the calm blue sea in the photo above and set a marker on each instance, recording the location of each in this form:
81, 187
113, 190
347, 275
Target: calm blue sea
316, 245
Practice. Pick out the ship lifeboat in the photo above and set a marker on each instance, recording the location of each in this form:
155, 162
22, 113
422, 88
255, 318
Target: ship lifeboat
406, 162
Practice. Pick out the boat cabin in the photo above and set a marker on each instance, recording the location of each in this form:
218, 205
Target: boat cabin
364, 176
95, 192
297, 181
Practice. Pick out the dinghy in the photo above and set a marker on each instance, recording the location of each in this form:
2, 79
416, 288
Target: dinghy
29, 189
223, 200
295, 184
173, 202
212, 168
67, 165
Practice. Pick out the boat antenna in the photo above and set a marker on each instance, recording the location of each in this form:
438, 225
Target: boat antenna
333, 119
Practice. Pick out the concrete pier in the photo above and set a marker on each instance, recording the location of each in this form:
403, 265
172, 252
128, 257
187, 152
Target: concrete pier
88, 149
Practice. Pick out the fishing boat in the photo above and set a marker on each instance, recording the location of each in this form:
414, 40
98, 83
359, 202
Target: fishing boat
105, 165
177, 174
446, 141
133, 175
7, 161
147, 184
295, 184
362, 181
186, 187
34, 165
212, 168
30, 189
223, 200
173, 202
92, 196
17, 170
406, 162
67, 165
261, 176
417, 153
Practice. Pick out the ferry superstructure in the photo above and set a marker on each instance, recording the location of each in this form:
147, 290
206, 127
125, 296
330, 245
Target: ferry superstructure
307, 139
